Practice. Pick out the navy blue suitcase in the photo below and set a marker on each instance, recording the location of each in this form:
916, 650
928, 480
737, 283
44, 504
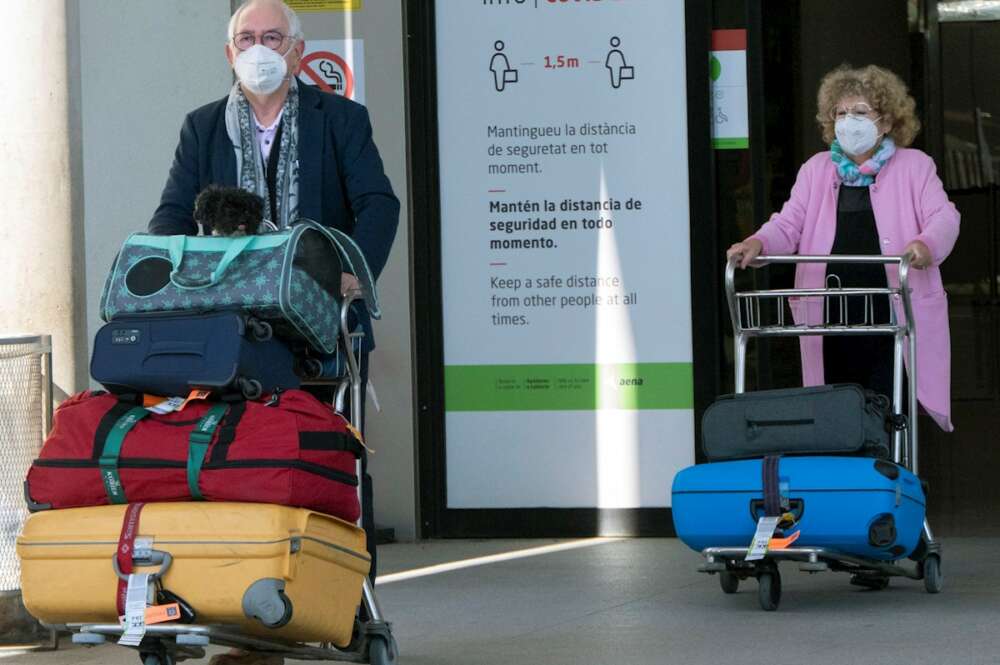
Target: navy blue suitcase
860, 506
173, 354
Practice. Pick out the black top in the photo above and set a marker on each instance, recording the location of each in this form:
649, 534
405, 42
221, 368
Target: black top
858, 235
271, 173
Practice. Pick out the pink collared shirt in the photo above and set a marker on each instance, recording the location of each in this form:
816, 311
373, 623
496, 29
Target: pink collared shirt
909, 203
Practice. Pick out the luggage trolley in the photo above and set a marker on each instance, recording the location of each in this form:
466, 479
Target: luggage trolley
373, 642
745, 309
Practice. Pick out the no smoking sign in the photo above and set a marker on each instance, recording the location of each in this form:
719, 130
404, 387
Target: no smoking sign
335, 66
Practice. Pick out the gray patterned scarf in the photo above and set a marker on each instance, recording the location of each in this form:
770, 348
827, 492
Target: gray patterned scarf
250, 162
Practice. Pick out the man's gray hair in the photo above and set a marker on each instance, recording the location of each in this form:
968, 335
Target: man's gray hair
294, 24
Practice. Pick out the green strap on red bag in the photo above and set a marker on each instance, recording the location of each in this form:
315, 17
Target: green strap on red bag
199, 440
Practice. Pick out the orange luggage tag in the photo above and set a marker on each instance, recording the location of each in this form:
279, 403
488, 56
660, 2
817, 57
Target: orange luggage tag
783, 543
164, 405
162, 613
193, 395
357, 435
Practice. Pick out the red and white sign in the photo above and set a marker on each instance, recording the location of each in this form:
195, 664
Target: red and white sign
335, 65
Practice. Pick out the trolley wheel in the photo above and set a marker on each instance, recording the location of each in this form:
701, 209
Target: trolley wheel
769, 589
156, 659
874, 582
251, 388
729, 582
933, 577
382, 651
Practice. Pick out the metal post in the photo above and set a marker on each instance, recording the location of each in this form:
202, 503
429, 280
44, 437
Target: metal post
740, 360
897, 396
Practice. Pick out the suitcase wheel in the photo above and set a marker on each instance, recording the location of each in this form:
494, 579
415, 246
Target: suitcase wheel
265, 600
260, 330
251, 388
769, 588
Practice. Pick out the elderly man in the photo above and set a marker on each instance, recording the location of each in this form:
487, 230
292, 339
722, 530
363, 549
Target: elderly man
306, 153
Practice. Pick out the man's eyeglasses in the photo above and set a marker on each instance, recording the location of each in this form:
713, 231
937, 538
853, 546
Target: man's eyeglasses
272, 39
859, 110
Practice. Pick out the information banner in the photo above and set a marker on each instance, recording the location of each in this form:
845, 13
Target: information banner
565, 251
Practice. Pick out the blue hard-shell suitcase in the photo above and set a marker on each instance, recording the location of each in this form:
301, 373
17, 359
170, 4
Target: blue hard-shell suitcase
173, 354
860, 506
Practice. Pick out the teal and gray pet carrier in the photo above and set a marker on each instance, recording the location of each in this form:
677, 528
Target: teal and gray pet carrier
290, 278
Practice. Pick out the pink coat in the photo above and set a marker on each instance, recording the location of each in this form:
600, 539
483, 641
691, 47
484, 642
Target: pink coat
909, 203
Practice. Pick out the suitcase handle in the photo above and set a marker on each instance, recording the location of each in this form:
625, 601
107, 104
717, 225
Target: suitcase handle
176, 250
156, 558
796, 507
176, 348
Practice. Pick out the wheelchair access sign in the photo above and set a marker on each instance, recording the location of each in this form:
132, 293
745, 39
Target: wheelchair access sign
336, 66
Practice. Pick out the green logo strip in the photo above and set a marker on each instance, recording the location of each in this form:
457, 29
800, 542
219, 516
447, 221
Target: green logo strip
112, 450
731, 143
584, 387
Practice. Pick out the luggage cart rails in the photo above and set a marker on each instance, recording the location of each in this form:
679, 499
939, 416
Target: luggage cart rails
746, 309
373, 642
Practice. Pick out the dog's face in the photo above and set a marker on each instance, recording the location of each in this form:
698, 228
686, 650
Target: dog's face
229, 211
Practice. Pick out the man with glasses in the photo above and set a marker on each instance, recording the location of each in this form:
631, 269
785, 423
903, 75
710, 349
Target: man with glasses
306, 153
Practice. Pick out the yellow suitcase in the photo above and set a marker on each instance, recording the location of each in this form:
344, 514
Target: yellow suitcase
224, 555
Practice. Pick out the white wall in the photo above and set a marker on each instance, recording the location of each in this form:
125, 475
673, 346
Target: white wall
144, 64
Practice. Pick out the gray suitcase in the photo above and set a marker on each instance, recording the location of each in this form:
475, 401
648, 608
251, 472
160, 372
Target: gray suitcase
842, 419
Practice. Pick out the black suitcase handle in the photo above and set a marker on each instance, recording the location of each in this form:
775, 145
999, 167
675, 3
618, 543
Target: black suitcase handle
796, 507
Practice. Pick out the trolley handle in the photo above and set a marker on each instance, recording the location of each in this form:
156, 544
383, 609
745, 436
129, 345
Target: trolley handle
902, 261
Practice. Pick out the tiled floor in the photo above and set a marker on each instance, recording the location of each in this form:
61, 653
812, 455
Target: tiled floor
634, 602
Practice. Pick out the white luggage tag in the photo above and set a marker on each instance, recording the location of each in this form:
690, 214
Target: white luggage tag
136, 600
168, 405
765, 529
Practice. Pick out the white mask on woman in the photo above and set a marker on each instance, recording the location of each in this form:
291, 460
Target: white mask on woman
857, 135
260, 69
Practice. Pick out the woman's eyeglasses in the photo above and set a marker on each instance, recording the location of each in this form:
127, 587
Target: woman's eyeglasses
859, 110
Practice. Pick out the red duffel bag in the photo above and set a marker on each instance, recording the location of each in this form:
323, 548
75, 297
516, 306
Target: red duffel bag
291, 450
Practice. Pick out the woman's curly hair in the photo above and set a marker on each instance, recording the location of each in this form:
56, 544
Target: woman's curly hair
884, 90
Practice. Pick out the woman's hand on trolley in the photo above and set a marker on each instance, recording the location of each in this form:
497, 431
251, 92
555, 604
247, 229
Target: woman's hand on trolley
920, 255
745, 252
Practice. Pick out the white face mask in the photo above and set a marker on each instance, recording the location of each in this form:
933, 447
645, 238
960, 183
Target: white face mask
260, 69
856, 135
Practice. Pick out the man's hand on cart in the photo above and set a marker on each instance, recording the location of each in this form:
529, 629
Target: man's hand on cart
920, 255
746, 251
349, 283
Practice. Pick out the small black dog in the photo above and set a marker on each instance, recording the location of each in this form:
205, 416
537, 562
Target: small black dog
229, 211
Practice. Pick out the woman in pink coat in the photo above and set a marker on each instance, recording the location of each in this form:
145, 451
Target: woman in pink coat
868, 194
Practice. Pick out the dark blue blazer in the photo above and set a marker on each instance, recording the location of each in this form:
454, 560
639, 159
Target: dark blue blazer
341, 180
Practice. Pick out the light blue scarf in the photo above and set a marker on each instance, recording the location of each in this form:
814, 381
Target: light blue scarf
853, 175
